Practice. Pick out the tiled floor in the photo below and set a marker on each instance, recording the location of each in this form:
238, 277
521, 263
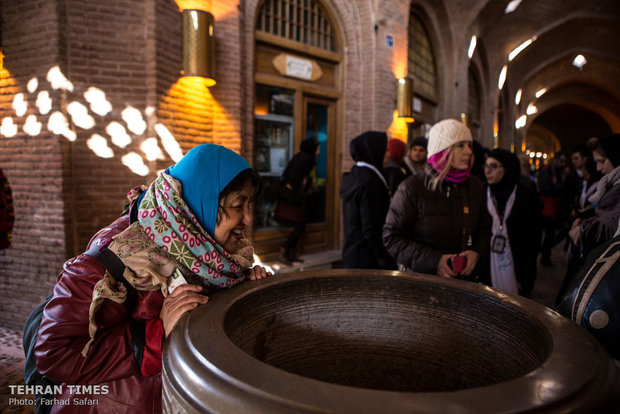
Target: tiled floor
12, 355
11, 371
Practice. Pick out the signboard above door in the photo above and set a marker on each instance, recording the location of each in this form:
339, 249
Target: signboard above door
296, 67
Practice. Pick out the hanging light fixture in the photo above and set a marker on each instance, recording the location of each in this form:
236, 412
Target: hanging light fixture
198, 45
404, 99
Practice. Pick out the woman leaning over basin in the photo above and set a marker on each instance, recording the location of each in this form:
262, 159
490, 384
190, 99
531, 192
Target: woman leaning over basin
190, 222
441, 214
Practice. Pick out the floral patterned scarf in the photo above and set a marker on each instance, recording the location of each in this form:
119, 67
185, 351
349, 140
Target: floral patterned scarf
166, 236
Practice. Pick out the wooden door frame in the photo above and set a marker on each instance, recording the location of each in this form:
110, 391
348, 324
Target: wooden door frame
331, 224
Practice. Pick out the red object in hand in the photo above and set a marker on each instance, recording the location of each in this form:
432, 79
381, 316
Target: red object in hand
459, 263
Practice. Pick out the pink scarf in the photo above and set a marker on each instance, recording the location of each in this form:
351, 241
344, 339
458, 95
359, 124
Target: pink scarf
438, 162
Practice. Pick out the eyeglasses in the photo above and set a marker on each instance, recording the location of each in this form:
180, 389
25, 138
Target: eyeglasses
492, 166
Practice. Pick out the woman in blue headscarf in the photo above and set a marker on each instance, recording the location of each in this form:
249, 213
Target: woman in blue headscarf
183, 237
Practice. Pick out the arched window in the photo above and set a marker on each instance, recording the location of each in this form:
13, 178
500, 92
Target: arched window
303, 21
421, 59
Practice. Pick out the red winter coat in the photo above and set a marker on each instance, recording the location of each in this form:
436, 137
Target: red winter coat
125, 356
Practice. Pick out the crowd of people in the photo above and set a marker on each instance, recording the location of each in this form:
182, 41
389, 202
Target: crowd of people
450, 207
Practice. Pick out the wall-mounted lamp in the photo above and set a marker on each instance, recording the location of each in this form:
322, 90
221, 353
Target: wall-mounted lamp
404, 99
198, 45
466, 119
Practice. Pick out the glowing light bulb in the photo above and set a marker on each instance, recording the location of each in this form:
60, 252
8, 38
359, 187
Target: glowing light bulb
531, 109
502, 77
579, 61
512, 6
472, 46
520, 48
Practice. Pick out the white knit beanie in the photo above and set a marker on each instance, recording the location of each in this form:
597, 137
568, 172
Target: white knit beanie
446, 133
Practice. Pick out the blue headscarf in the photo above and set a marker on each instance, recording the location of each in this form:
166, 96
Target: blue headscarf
204, 172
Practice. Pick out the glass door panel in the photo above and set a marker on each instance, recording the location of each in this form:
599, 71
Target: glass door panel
316, 127
274, 147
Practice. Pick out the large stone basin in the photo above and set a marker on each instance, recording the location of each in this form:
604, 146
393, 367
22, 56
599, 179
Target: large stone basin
361, 341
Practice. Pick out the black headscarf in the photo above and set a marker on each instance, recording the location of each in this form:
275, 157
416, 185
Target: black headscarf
369, 147
309, 146
512, 173
611, 146
480, 156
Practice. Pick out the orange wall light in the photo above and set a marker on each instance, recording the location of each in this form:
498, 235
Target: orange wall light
404, 99
199, 45
398, 129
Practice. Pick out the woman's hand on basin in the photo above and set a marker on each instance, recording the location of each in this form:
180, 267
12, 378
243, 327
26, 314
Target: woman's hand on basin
184, 298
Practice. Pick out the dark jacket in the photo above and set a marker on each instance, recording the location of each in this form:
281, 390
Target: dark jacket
394, 174
301, 165
525, 232
422, 225
133, 380
7, 218
365, 201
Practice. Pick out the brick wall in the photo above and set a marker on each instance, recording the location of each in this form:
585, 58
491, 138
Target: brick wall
63, 191
33, 164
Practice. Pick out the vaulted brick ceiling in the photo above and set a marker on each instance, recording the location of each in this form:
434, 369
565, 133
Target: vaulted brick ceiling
578, 103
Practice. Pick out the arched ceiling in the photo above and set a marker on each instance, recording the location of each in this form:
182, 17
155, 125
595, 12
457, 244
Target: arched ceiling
573, 124
563, 29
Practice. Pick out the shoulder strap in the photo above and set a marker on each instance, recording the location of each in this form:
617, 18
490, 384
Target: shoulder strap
116, 267
109, 260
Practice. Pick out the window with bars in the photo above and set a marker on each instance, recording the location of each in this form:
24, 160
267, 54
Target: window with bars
303, 21
421, 59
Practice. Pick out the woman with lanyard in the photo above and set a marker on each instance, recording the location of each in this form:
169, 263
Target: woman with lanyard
516, 211
365, 201
437, 222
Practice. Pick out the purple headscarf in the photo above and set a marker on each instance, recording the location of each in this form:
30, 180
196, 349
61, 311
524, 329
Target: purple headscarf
438, 162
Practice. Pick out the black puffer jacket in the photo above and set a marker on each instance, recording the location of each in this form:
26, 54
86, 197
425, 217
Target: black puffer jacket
422, 225
365, 202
